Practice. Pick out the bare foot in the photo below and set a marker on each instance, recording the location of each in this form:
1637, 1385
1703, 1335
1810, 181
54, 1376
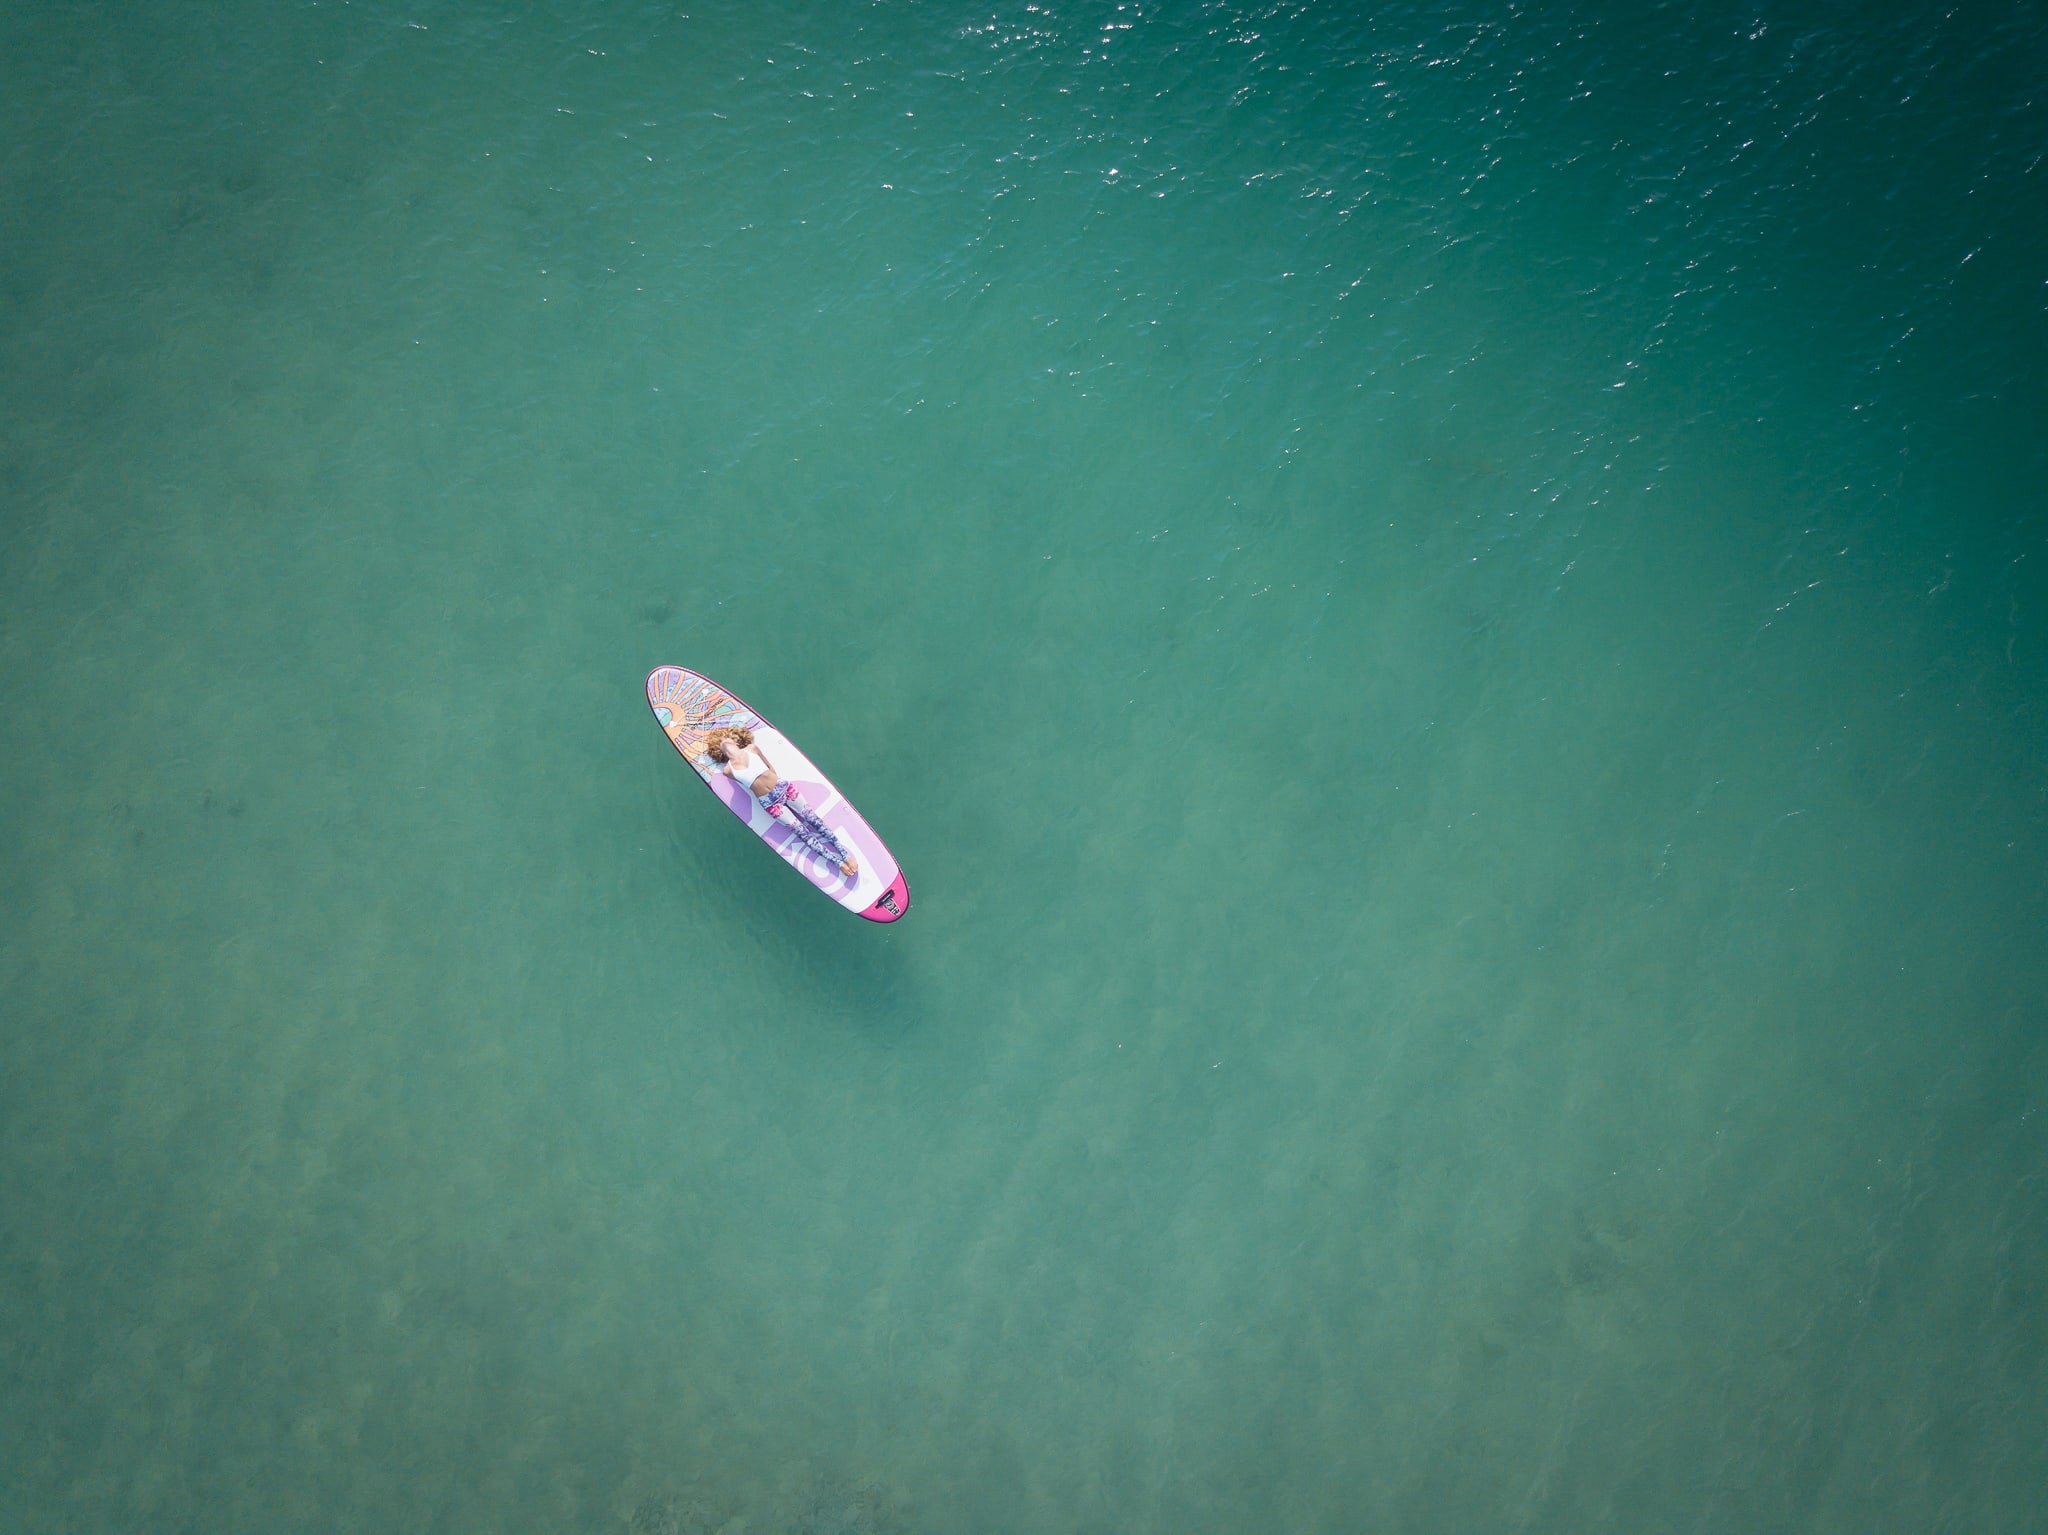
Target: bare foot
850, 868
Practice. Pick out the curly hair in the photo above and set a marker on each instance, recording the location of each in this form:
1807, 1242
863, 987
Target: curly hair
714, 742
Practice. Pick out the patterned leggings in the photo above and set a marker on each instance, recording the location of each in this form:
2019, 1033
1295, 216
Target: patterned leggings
790, 808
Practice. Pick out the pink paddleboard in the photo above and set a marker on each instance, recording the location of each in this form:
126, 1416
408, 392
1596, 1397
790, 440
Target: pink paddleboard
690, 707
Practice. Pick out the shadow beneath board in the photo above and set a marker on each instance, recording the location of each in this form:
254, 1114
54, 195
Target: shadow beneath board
807, 954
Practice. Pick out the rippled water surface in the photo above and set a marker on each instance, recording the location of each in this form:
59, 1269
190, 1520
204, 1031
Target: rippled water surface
1443, 606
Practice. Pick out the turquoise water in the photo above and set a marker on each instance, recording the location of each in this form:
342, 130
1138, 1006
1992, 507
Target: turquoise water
1444, 607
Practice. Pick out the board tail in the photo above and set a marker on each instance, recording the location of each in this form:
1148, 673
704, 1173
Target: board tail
892, 903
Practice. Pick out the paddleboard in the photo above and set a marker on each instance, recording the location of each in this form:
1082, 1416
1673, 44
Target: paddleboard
689, 706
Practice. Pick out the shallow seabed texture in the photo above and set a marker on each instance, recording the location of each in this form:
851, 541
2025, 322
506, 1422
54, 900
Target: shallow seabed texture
1446, 607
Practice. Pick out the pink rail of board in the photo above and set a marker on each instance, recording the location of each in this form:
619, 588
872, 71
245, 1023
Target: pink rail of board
689, 707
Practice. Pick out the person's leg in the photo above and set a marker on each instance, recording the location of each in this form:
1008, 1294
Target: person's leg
811, 829
819, 839
823, 838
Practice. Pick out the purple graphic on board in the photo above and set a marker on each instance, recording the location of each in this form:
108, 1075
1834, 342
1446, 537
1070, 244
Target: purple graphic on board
689, 707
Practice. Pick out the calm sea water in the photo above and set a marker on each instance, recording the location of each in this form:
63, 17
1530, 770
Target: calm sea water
1443, 605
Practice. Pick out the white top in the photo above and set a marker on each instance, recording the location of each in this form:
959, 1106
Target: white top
745, 764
